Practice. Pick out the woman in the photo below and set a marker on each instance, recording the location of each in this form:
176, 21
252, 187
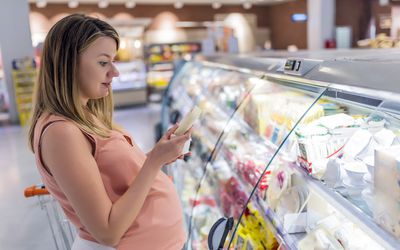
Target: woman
116, 196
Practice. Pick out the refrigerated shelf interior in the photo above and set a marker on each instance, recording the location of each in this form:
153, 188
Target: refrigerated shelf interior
297, 155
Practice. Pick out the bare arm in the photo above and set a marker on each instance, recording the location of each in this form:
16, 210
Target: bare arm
78, 176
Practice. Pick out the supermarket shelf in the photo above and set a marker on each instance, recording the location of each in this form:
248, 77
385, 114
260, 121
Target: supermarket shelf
156, 89
288, 240
344, 206
130, 88
157, 74
284, 239
163, 62
354, 214
228, 111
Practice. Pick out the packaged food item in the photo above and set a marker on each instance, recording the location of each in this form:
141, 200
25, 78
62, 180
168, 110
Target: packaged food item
325, 138
253, 233
384, 137
188, 121
387, 189
185, 124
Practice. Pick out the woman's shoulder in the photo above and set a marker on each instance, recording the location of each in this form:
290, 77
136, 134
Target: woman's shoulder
59, 128
46, 117
59, 122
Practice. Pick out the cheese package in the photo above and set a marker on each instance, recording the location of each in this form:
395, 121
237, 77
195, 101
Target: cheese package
188, 121
387, 189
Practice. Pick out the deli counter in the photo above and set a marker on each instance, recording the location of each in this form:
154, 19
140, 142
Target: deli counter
301, 153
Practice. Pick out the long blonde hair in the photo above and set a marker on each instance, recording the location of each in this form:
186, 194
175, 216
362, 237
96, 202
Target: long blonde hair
56, 91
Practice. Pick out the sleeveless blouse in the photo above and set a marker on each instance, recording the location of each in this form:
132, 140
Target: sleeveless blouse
159, 224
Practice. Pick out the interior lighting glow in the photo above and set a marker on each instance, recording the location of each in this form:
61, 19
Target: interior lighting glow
247, 5
41, 3
130, 4
123, 44
73, 4
103, 4
178, 5
299, 17
137, 44
216, 5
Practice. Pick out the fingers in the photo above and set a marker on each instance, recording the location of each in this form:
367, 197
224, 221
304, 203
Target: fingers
189, 131
181, 138
171, 130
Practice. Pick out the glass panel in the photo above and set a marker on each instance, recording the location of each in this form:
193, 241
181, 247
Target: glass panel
321, 183
382, 195
249, 141
217, 92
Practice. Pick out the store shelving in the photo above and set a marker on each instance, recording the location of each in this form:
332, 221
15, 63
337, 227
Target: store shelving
334, 198
130, 87
160, 66
353, 213
24, 75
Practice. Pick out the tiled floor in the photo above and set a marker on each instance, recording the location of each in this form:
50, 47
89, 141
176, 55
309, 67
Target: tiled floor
23, 225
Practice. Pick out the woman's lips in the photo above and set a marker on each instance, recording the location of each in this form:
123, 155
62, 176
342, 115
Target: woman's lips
107, 84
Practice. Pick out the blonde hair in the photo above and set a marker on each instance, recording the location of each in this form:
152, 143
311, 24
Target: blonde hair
56, 91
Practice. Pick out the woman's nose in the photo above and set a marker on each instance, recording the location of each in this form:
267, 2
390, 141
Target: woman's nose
114, 71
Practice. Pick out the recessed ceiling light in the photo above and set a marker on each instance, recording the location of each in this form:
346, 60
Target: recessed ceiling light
137, 44
178, 5
73, 4
247, 5
41, 3
216, 5
103, 4
130, 4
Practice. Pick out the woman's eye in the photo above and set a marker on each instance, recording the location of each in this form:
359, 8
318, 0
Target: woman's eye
103, 63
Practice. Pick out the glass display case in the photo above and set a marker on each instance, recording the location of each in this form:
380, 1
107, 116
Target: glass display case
301, 153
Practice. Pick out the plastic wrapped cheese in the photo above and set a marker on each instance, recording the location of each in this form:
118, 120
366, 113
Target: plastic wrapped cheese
188, 121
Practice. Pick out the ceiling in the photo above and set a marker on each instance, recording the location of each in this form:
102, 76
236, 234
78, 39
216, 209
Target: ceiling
191, 2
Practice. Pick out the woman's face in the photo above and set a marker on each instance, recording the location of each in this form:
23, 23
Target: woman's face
96, 69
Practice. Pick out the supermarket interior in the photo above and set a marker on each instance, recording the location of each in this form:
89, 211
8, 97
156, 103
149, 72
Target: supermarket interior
296, 118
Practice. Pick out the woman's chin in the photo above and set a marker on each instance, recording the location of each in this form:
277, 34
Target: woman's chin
101, 95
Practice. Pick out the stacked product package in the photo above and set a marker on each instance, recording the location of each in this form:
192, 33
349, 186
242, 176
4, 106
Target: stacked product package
387, 189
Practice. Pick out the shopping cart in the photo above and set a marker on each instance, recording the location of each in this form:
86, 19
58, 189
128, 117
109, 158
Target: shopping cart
62, 230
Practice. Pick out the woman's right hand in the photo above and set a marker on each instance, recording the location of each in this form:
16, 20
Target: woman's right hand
168, 148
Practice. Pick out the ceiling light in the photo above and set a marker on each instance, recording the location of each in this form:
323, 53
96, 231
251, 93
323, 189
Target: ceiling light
73, 4
216, 5
247, 5
41, 3
178, 5
137, 44
103, 4
130, 4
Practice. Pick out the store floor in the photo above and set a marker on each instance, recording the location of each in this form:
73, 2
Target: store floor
23, 225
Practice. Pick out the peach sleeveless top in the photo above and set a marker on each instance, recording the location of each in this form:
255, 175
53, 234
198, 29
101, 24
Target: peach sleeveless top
159, 224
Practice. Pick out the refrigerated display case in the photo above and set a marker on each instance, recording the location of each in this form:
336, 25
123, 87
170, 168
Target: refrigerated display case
301, 153
130, 87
